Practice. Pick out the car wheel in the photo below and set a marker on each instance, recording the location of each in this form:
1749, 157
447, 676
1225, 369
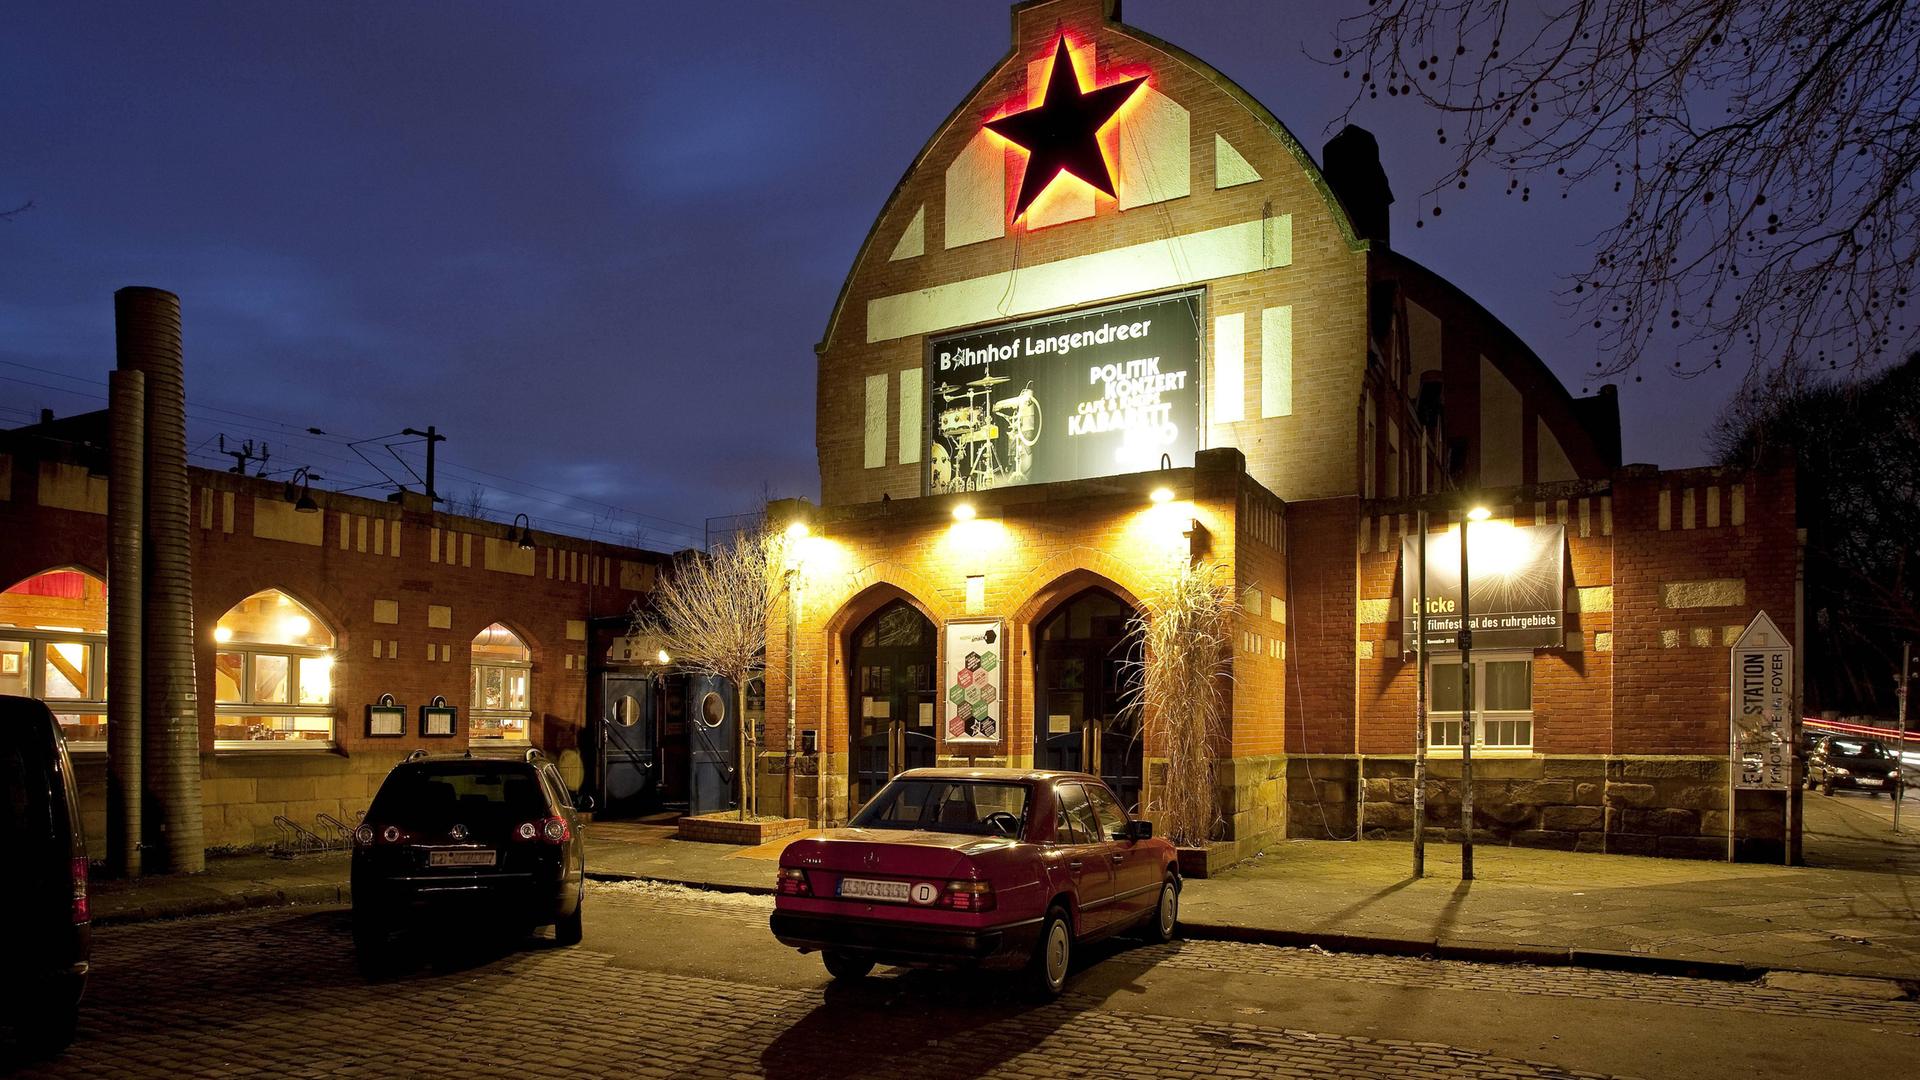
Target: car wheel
369, 945
846, 966
47, 1026
1165, 920
568, 930
1054, 955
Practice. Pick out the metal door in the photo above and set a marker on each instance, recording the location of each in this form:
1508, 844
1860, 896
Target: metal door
629, 745
1087, 676
712, 737
893, 697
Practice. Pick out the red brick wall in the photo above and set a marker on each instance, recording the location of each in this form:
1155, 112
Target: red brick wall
342, 585
1672, 698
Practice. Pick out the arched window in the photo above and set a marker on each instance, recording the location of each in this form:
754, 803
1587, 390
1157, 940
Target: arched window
272, 675
53, 646
502, 671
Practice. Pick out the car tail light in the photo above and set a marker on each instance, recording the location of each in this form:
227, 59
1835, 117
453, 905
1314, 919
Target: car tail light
793, 882
968, 896
553, 830
82, 911
363, 836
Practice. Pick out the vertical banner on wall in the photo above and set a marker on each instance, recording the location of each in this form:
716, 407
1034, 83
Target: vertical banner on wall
1760, 709
973, 702
1066, 397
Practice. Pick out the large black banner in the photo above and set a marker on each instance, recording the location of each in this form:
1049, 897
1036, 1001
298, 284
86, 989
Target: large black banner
1518, 596
1093, 393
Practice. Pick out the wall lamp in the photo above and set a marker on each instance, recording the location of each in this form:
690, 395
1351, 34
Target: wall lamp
299, 490
522, 533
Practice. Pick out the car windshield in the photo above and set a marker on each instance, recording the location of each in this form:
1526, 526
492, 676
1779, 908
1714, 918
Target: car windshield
1854, 748
975, 807
464, 791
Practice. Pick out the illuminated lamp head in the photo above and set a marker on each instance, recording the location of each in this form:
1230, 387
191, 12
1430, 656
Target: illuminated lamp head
1061, 134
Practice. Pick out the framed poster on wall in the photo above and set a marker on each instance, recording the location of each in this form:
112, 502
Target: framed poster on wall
973, 704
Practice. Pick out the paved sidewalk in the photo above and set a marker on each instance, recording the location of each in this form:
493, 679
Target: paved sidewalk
1550, 907
230, 883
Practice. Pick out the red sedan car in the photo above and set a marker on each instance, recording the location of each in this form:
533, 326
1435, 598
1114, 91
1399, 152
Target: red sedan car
986, 867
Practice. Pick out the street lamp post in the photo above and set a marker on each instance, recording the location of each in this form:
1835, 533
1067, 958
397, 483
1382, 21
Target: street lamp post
1467, 727
1420, 713
796, 532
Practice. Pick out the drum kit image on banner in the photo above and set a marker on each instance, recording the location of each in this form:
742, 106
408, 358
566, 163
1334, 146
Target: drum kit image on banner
983, 442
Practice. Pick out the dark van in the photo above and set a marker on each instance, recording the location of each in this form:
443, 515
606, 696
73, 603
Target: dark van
43, 905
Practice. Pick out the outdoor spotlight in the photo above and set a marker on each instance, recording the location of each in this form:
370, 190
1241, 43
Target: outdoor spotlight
963, 512
1479, 513
524, 535
1162, 495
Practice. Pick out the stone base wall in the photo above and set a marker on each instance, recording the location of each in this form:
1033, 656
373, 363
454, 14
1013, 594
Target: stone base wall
1669, 806
242, 792
1322, 797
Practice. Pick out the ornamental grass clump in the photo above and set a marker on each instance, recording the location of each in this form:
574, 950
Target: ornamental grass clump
1187, 634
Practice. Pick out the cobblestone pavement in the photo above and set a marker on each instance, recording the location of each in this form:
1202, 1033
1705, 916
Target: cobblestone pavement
276, 994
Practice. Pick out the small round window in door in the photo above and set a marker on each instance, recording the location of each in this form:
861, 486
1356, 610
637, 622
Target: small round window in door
713, 709
627, 712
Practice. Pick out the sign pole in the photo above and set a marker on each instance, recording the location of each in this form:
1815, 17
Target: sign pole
1420, 714
1466, 711
1900, 785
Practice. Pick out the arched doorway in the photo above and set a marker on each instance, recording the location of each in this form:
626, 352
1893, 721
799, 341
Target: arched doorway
892, 726
1086, 680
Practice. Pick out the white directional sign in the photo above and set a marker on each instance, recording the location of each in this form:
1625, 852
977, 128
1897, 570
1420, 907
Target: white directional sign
1760, 709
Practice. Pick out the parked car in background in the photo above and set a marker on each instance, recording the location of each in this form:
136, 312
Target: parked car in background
43, 879
977, 867
1841, 762
488, 839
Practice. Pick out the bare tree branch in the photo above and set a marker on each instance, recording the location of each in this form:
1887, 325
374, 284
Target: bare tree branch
1764, 152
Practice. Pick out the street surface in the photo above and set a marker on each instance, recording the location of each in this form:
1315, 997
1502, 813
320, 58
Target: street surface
672, 982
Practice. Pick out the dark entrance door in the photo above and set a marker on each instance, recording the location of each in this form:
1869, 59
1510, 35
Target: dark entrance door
711, 735
1086, 679
629, 745
892, 726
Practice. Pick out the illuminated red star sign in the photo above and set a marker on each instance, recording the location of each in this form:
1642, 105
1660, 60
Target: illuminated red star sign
1061, 134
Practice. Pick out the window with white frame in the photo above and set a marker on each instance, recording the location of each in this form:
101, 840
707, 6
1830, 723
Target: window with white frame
53, 646
502, 674
272, 675
1502, 696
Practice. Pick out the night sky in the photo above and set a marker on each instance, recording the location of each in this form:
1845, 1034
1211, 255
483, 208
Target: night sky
593, 244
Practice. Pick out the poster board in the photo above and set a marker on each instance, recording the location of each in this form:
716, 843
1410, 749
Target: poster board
972, 698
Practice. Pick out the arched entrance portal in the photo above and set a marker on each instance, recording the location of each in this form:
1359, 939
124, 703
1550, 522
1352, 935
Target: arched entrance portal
1086, 679
892, 725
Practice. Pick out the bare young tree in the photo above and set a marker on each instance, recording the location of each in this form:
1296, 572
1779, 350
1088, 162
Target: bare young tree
1186, 632
1763, 152
473, 504
710, 615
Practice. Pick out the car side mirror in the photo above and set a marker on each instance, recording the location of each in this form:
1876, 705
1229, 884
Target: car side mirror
583, 803
1139, 830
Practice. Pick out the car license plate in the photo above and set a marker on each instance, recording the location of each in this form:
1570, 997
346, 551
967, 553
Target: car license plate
898, 892
1869, 781
460, 858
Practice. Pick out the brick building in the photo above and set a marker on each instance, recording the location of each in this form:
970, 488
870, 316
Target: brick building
1115, 317
307, 607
